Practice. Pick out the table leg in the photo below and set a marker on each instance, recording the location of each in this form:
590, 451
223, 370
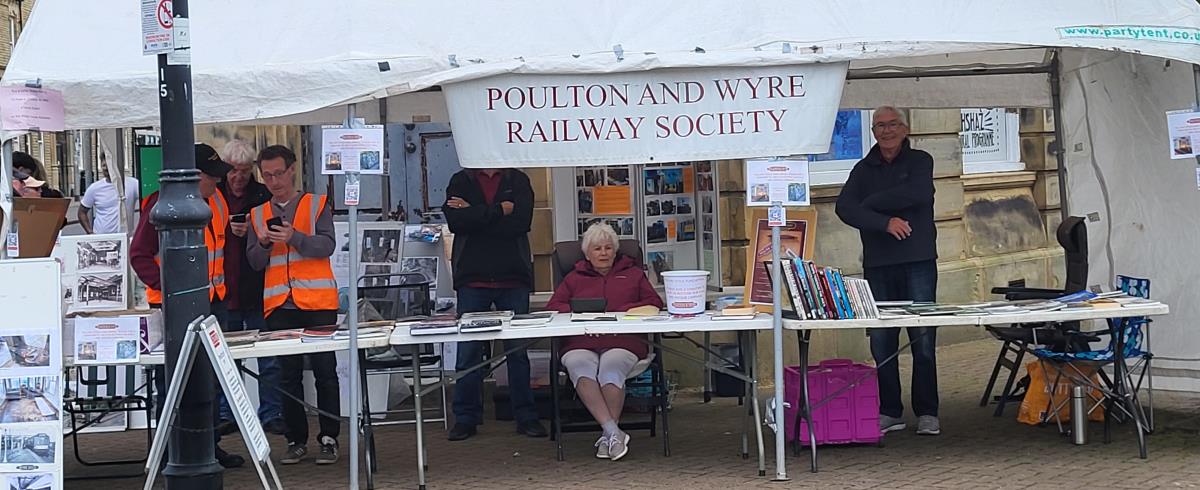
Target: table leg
805, 406
556, 421
708, 373
365, 423
752, 397
418, 416
1121, 387
746, 393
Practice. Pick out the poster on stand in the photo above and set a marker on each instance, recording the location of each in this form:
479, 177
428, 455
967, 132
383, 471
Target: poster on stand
107, 341
94, 272
352, 150
31, 415
797, 238
777, 180
1183, 131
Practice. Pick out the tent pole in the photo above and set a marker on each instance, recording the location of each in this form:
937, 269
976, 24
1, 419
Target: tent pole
777, 342
180, 217
1060, 141
352, 319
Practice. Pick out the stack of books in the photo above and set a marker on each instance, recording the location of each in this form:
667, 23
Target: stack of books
823, 293
484, 321
433, 326
535, 319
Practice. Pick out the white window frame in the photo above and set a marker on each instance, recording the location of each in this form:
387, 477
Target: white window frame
835, 172
1010, 161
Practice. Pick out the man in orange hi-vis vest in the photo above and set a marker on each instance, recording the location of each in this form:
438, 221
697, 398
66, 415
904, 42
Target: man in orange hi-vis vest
291, 237
143, 257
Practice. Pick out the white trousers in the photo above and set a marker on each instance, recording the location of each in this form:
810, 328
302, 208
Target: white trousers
609, 368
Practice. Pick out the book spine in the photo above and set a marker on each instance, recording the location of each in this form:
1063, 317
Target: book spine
837, 293
793, 288
826, 297
805, 292
859, 304
841, 283
818, 291
869, 297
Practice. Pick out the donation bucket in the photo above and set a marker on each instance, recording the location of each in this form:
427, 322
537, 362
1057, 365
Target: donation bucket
686, 291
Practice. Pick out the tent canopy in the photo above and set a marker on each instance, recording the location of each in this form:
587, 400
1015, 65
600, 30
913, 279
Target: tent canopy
272, 59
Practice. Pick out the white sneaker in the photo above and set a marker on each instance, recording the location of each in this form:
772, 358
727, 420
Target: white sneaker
602, 448
928, 425
888, 424
618, 446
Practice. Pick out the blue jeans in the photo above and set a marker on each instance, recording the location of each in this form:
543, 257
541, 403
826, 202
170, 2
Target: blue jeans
916, 281
269, 407
468, 390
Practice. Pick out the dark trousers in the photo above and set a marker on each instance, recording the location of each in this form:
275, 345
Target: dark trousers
268, 368
291, 376
218, 310
916, 281
468, 390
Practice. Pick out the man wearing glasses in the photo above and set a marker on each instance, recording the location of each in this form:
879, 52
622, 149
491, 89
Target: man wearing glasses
889, 199
291, 239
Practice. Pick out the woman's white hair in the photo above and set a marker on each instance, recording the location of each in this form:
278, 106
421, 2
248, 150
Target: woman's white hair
599, 233
238, 152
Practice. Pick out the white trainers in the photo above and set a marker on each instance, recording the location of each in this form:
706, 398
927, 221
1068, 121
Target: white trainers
928, 425
888, 424
602, 448
618, 446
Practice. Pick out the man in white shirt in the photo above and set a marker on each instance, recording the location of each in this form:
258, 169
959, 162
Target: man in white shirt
100, 200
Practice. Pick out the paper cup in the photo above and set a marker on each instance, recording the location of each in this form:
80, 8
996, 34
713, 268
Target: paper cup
686, 291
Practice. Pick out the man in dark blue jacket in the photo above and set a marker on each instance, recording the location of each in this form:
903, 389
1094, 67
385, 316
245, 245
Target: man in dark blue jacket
490, 212
889, 199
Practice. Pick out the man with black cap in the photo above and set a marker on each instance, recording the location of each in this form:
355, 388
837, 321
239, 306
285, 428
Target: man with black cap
143, 257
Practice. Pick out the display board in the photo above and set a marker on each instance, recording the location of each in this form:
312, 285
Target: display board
708, 211
95, 272
797, 239
605, 195
31, 375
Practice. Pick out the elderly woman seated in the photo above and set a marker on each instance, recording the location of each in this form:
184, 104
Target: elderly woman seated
598, 365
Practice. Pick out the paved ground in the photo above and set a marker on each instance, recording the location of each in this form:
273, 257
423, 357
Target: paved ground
975, 450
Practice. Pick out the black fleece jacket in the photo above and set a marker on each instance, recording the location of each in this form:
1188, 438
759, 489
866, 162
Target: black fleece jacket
878, 191
489, 246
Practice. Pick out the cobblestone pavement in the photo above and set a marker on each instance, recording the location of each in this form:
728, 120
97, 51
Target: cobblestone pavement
975, 450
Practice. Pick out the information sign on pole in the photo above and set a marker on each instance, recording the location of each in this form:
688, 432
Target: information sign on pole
158, 19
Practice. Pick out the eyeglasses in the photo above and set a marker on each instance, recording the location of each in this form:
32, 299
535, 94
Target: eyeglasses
888, 125
276, 175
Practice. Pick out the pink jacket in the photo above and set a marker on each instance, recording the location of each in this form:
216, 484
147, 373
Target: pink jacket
624, 287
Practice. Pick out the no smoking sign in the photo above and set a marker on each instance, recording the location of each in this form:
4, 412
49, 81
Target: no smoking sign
165, 17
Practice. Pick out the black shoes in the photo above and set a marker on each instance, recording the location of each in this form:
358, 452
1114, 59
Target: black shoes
461, 432
532, 428
229, 461
275, 426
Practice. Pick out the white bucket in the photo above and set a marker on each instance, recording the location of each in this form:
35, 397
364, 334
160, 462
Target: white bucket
686, 291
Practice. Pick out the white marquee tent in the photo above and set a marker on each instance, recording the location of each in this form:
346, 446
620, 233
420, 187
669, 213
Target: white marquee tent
1109, 68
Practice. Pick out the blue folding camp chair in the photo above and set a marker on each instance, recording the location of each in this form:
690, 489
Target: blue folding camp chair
1119, 395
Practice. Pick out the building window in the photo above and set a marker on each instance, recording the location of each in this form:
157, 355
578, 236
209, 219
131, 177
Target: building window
852, 140
990, 140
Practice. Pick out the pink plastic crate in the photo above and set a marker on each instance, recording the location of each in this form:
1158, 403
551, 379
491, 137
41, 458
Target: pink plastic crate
850, 417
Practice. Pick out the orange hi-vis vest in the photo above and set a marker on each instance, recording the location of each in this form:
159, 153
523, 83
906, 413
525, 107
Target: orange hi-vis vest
214, 241
307, 280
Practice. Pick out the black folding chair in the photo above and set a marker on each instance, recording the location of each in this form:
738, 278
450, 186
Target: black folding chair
1060, 336
96, 407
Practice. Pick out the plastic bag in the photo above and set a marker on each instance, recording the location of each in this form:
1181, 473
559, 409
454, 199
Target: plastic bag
1038, 398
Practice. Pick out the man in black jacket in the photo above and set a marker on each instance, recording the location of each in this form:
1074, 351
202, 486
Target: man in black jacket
490, 212
889, 199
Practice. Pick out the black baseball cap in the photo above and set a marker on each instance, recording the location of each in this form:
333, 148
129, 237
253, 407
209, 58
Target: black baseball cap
209, 162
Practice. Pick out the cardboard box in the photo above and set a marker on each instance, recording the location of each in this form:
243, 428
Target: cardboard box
38, 221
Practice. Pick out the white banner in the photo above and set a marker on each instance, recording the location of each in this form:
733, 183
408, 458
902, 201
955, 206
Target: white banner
644, 117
